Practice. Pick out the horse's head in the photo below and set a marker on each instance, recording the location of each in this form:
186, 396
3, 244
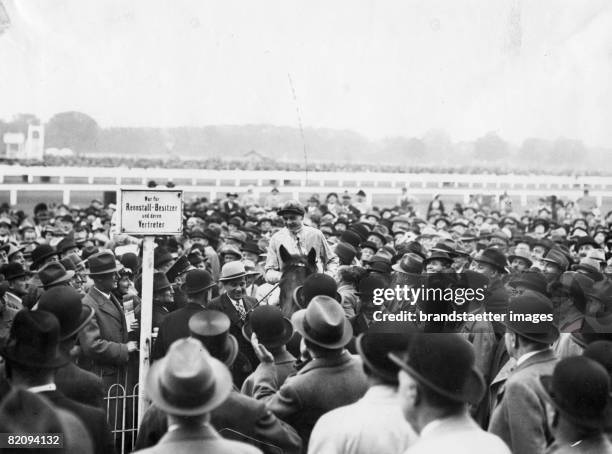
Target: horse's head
296, 268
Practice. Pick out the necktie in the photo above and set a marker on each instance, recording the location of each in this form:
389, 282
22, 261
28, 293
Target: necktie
298, 244
240, 308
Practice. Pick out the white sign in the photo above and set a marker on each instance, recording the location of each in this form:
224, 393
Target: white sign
151, 212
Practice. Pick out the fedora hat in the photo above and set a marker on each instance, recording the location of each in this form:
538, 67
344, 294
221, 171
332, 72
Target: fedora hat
41, 253
195, 257
410, 263
103, 263
212, 329
445, 364
34, 340
579, 389
160, 282
314, 285
493, 257
272, 329
13, 271
197, 281
54, 273
11, 249
73, 262
66, 244
252, 247
65, 303
531, 303
437, 255
179, 267
369, 284
532, 280
232, 270
323, 323
188, 381
600, 351
251, 268
558, 258
380, 339
231, 250
161, 256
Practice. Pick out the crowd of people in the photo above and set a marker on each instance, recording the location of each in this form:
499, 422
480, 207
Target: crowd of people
285, 327
300, 166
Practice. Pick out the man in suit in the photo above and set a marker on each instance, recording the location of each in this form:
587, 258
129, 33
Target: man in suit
236, 305
579, 390
240, 417
437, 381
520, 416
333, 377
77, 384
32, 355
187, 384
198, 286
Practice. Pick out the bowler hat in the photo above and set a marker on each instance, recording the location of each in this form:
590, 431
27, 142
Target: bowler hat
600, 351
54, 273
179, 267
103, 263
345, 252
291, 207
360, 229
232, 270
493, 257
41, 253
351, 238
188, 381
197, 281
380, 339
580, 390
522, 311
323, 323
369, 284
161, 257
316, 284
368, 245
268, 323
34, 340
65, 303
212, 329
13, 270
444, 363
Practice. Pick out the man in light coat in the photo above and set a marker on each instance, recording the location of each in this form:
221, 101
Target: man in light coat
375, 423
437, 381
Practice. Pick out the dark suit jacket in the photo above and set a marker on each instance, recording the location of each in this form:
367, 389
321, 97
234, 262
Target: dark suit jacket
238, 418
173, 327
202, 440
223, 304
79, 385
520, 417
104, 339
320, 386
94, 420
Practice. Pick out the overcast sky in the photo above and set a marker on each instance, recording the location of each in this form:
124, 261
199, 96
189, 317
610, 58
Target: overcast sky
520, 68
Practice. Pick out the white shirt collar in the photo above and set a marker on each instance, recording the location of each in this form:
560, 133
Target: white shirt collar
526, 356
43, 388
107, 295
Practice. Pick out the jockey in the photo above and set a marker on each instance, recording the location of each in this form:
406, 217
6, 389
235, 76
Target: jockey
298, 239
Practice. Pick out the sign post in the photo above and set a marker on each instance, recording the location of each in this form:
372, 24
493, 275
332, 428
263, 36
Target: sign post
149, 213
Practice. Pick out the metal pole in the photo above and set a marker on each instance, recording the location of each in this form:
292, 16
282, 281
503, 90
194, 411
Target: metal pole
146, 320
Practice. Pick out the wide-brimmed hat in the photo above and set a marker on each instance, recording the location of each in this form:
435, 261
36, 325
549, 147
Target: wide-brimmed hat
444, 363
11, 249
13, 270
380, 339
493, 257
66, 244
232, 270
291, 207
197, 281
103, 263
179, 267
231, 250
323, 323
65, 303
580, 390
54, 273
252, 247
531, 304
212, 328
272, 329
251, 268
532, 280
410, 263
316, 284
188, 381
34, 340
438, 255
41, 253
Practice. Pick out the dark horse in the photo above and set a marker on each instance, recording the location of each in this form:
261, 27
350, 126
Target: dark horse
296, 268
